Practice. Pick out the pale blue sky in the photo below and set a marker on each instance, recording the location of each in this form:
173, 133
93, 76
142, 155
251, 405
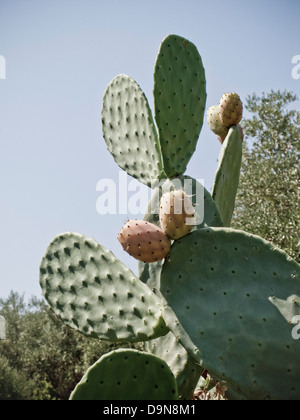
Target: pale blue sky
60, 55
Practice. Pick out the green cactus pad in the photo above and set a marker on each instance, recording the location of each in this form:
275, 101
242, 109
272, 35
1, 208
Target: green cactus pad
228, 174
129, 131
184, 367
90, 290
127, 374
232, 295
179, 101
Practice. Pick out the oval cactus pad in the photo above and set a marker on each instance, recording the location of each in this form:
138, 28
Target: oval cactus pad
179, 101
233, 292
90, 290
228, 174
127, 374
129, 131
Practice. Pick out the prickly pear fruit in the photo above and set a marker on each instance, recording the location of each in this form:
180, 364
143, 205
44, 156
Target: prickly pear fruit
144, 241
176, 214
215, 123
231, 109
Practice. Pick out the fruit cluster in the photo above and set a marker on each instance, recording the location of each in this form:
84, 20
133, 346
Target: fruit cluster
226, 114
149, 243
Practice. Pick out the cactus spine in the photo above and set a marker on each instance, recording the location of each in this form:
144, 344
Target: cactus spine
212, 298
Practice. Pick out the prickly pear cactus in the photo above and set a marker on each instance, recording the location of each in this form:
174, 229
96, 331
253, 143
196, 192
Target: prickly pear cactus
211, 298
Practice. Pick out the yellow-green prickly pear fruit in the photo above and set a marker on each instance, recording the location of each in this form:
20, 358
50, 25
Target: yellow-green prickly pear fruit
176, 214
215, 123
144, 241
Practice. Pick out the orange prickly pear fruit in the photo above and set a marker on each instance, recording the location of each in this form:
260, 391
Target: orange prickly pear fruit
144, 241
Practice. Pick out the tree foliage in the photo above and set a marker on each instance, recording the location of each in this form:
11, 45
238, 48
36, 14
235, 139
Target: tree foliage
41, 359
267, 202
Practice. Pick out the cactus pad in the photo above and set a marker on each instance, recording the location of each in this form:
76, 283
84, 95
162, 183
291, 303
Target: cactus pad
126, 374
90, 290
179, 101
229, 300
228, 174
129, 130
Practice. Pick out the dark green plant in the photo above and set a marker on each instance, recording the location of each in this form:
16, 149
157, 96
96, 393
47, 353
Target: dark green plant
14, 384
41, 358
